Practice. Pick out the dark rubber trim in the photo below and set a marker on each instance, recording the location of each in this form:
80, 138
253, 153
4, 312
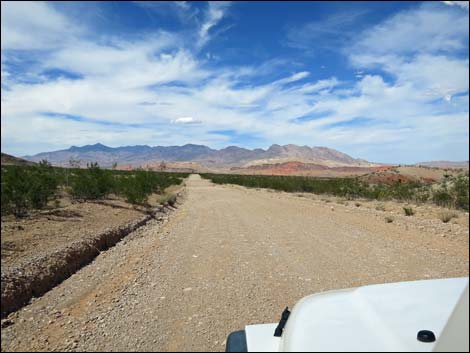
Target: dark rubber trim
236, 342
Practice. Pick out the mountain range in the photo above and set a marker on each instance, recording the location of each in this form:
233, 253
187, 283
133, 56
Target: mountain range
444, 164
231, 156
12, 160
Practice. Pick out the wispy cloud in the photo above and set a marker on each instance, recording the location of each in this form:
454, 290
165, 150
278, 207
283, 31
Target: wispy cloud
462, 4
326, 33
419, 47
182, 10
34, 25
214, 14
427, 29
409, 87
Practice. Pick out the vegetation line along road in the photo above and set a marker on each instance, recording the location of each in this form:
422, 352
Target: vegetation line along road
32, 187
452, 192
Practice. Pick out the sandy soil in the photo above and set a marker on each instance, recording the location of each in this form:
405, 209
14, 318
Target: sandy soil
47, 230
228, 257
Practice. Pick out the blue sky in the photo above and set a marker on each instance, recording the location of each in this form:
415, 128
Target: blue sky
384, 81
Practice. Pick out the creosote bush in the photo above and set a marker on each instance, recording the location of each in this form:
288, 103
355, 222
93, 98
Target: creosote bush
92, 183
453, 192
408, 211
446, 216
389, 219
24, 188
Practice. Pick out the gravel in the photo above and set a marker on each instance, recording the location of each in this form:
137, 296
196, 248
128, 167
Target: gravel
228, 257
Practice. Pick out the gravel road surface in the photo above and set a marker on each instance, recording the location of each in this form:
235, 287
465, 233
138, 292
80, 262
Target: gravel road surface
228, 257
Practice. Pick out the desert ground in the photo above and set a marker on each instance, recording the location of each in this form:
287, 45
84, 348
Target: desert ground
228, 257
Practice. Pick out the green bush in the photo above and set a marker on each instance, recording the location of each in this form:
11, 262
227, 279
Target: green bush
442, 198
345, 187
32, 187
26, 188
459, 191
43, 185
349, 188
408, 211
446, 216
130, 192
138, 185
456, 195
91, 183
15, 190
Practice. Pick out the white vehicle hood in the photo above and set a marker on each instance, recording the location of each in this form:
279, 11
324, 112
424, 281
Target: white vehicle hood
384, 317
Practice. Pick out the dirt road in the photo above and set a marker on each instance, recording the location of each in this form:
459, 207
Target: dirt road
228, 257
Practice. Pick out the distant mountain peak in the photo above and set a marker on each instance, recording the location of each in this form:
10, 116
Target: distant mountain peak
228, 156
96, 147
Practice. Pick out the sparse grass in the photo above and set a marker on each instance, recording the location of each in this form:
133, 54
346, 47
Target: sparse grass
169, 198
446, 216
380, 207
408, 211
389, 219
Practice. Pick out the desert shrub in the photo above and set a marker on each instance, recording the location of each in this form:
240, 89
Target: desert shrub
403, 191
422, 195
91, 183
348, 188
379, 192
389, 219
32, 187
136, 186
452, 193
442, 198
130, 191
459, 191
408, 211
43, 184
25, 188
15, 190
380, 207
446, 216
169, 198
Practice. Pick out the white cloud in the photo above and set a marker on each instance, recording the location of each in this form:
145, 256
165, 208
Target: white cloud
156, 90
215, 13
462, 4
186, 120
30, 25
319, 85
425, 29
295, 77
417, 47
